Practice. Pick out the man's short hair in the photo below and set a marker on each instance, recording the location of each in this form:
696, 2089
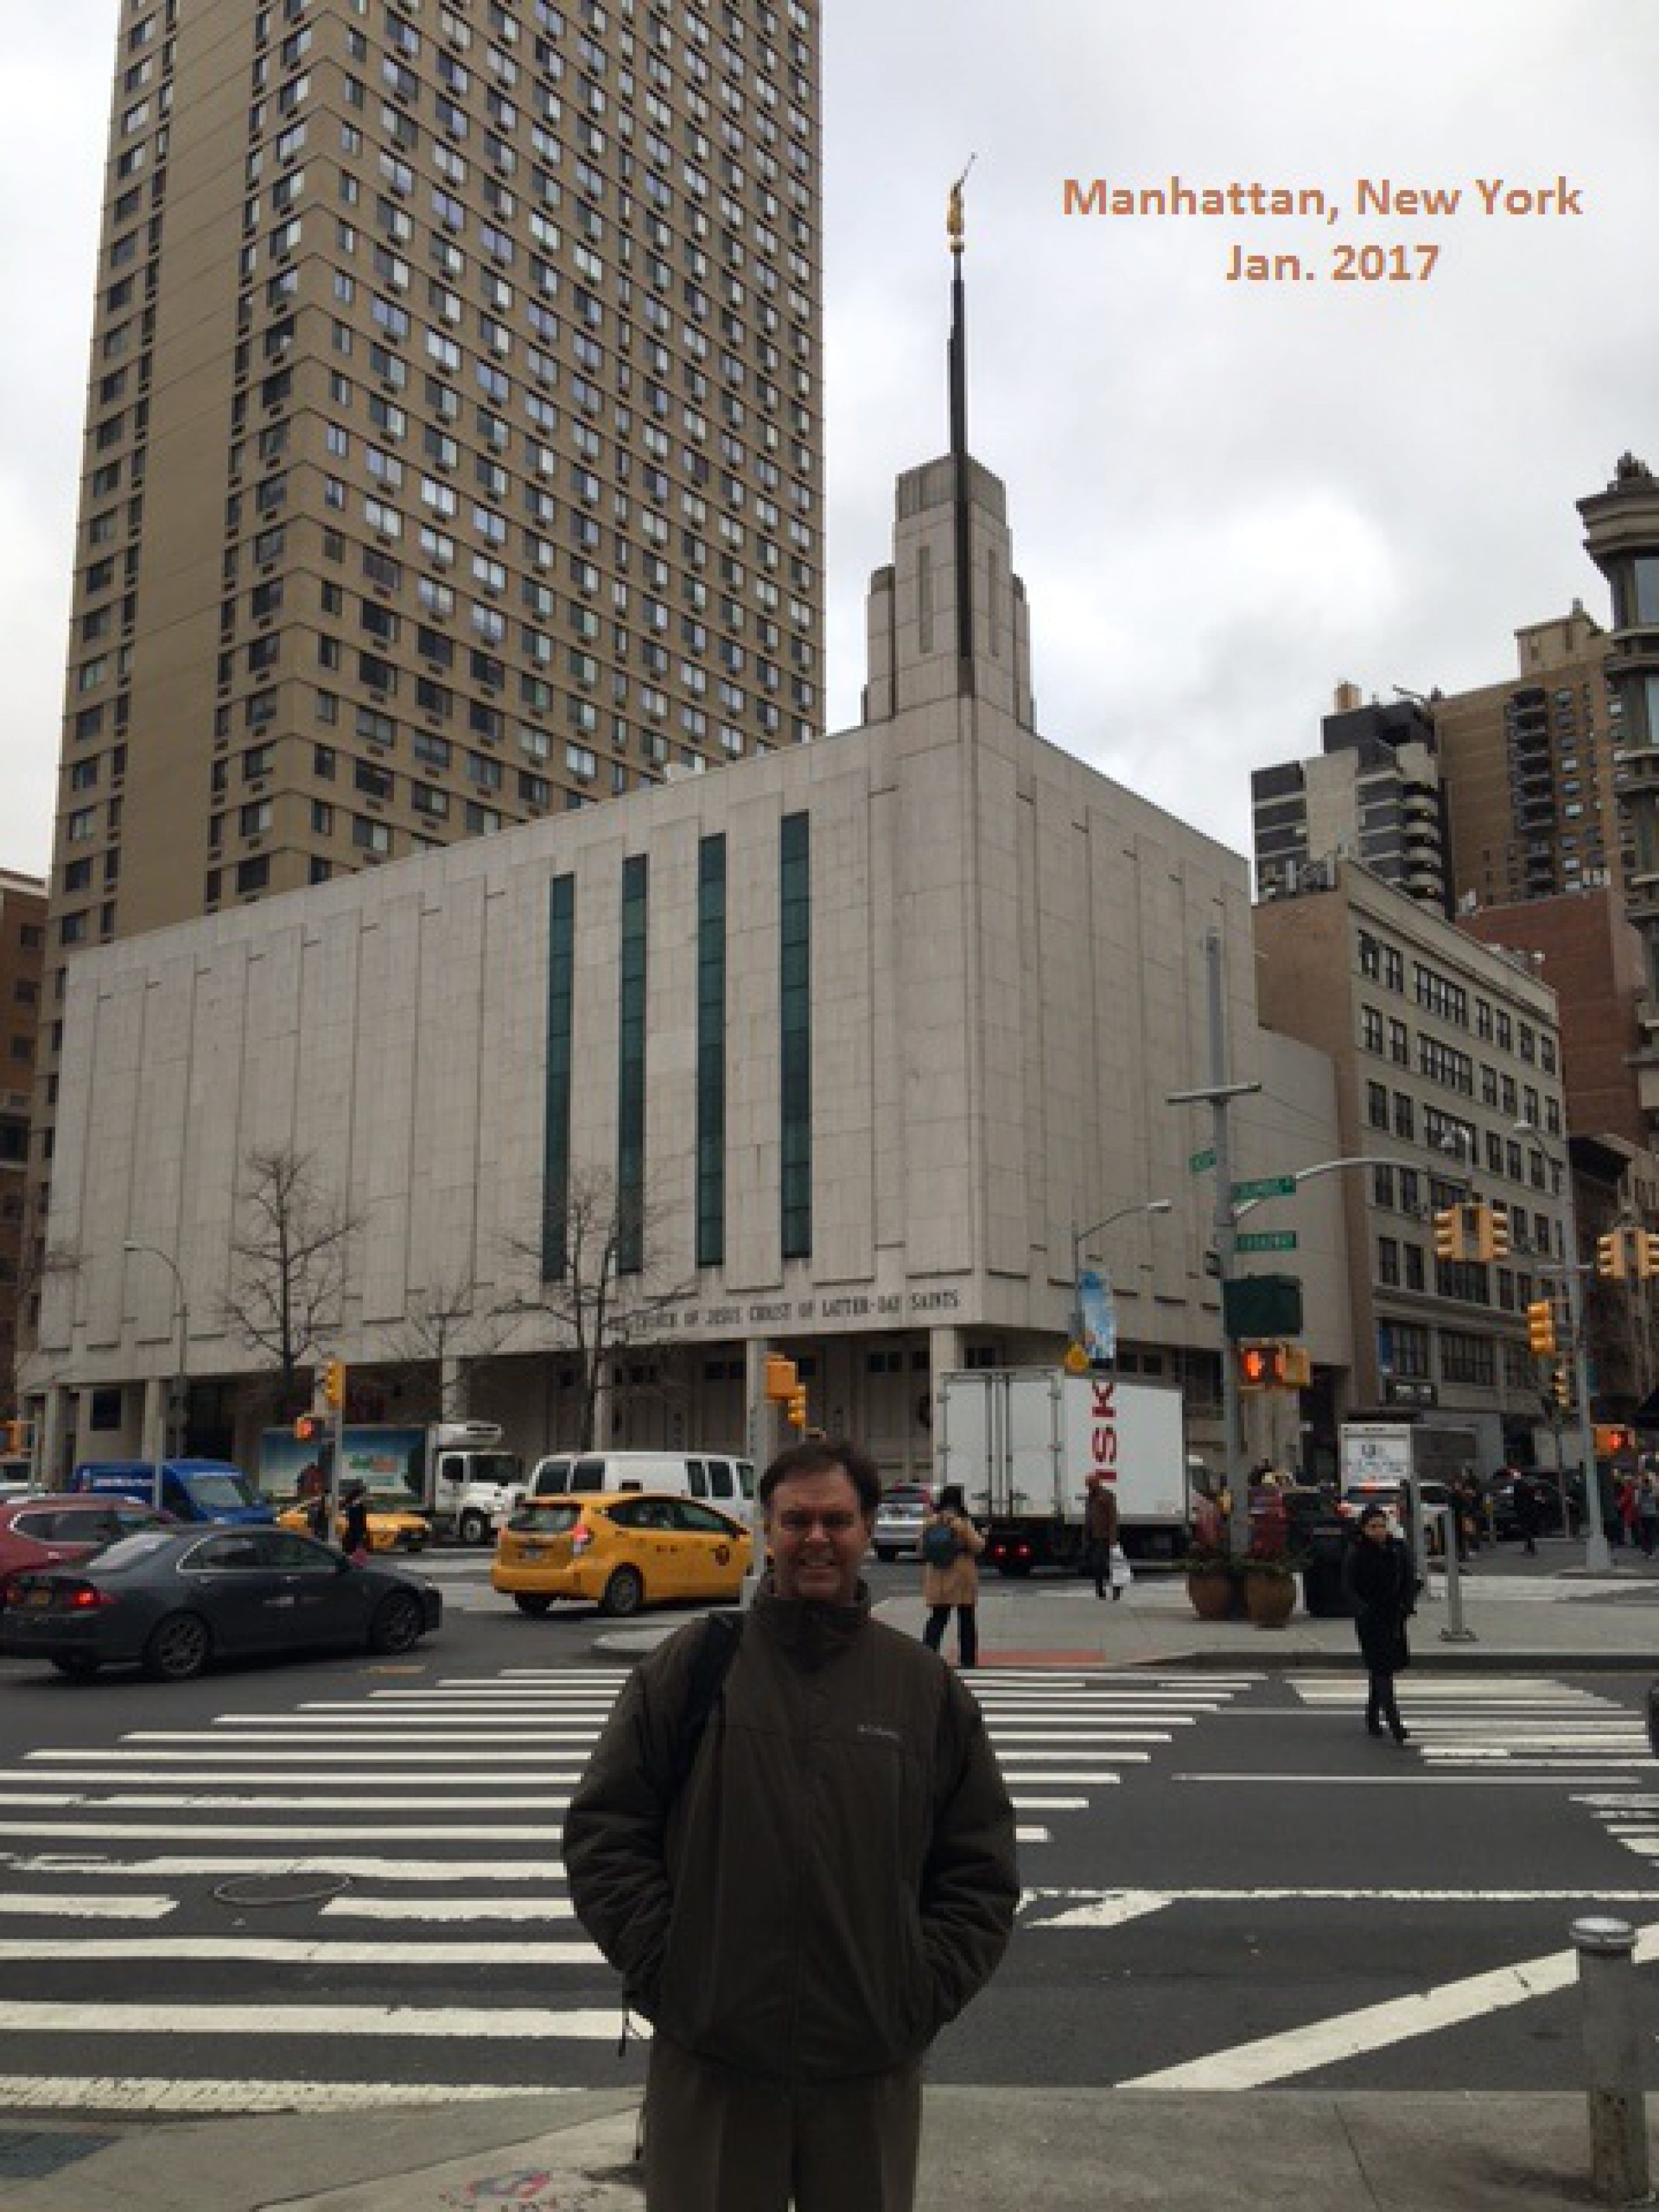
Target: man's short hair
829, 1455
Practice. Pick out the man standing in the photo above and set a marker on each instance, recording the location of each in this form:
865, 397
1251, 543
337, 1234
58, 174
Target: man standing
799, 1901
1100, 1520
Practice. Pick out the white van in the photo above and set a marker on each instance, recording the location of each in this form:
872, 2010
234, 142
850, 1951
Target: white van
713, 1476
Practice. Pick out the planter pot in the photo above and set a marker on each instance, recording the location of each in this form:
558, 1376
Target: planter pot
1270, 1599
1212, 1591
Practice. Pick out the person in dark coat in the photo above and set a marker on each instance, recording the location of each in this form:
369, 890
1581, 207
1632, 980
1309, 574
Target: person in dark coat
355, 1538
1100, 1525
1526, 1513
1379, 1584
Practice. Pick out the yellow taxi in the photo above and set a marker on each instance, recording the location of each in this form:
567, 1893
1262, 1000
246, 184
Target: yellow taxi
620, 1550
391, 1528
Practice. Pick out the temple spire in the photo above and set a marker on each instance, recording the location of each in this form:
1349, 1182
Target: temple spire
955, 230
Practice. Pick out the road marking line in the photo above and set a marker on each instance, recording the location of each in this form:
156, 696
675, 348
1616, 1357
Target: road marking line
510, 2023
302, 1951
1405, 1776
28, 1903
1273, 2058
229, 1761
172, 1866
147, 2094
168, 1830
1111, 1910
1345, 1895
532, 1908
291, 1779
188, 1800
1032, 1836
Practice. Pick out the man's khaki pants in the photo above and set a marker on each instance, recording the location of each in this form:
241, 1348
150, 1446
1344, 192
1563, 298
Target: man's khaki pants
720, 2142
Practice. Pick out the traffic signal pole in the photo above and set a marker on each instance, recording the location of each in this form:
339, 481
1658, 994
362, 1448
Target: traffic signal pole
1218, 1094
1598, 1554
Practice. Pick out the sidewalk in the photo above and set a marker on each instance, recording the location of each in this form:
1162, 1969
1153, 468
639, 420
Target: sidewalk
984, 2150
1554, 1623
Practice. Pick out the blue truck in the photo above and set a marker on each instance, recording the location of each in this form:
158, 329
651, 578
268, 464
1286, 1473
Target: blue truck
192, 1489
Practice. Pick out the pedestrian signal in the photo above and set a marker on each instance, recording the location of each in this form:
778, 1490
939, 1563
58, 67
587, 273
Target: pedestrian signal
1255, 1366
310, 1428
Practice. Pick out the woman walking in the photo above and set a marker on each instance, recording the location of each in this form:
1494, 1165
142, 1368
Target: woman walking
1378, 1583
949, 1546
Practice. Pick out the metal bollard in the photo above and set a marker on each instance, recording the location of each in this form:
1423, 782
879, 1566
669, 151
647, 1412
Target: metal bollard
1613, 2063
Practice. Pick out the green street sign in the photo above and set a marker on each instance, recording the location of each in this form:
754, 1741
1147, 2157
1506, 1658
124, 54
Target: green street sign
1266, 1187
1266, 1240
1199, 1161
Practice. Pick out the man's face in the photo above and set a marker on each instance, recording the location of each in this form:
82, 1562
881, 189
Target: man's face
818, 1535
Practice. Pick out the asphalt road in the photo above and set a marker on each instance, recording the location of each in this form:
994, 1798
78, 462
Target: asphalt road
1228, 1881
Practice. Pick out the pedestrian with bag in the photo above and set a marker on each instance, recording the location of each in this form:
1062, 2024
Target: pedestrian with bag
1100, 1527
1380, 1586
1647, 1511
794, 1845
950, 1545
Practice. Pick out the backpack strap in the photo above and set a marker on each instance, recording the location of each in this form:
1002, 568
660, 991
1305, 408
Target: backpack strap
711, 1663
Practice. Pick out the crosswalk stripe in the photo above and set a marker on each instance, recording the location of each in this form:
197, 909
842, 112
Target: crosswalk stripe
70, 2093
506, 2024
45, 1904
177, 1866
297, 1950
133, 1830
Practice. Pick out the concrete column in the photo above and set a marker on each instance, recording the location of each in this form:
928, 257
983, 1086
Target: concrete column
52, 1445
944, 1357
153, 1424
454, 1399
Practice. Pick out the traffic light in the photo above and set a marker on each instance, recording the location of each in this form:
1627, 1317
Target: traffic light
1448, 1233
1255, 1366
310, 1428
17, 1439
1491, 1232
797, 1411
1610, 1254
1647, 1252
780, 1379
1561, 1388
334, 1384
1541, 1328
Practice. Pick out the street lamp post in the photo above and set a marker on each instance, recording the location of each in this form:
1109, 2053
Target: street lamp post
1598, 1555
167, 1262
1080, 1238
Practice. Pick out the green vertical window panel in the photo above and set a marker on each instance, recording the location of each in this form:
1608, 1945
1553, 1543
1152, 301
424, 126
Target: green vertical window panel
711, 1052
556, 1138
630, 1069
795, 1034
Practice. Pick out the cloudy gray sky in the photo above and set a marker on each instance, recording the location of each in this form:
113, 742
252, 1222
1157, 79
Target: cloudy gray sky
1225, 496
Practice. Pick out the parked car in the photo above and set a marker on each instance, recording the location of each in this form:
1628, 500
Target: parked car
391, 1528
1505, 1512
899, 1518
172, 1601
620, 1552
45, 1528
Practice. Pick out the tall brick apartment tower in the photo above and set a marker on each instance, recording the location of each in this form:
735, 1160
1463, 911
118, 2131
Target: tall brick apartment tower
454, 440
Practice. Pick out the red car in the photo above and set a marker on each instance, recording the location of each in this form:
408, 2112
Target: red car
47, 1528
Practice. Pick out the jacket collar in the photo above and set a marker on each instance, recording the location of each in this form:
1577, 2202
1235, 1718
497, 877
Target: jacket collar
807, 1631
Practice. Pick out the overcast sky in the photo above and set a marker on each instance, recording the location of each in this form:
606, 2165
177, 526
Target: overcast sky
1226, 497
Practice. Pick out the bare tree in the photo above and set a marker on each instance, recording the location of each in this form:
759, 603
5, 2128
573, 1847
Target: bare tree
39, 1265
290, 1253
611, 1287
450, 1327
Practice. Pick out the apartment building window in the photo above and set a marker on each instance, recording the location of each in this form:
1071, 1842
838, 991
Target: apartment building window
1387, 1262
1465, 1359
1399, 1044
1376, 1105
1370, 1028
369, 836
1414, 1258
1405, 1116
1383, 1187
1403, 1349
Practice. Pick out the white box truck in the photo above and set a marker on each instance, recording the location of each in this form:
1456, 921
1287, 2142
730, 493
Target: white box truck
1024, 1441
454, 1472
